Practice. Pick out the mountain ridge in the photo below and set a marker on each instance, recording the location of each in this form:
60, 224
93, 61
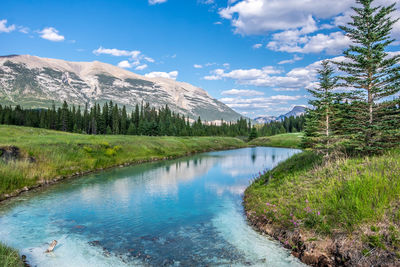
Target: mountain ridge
295, 112
35, 82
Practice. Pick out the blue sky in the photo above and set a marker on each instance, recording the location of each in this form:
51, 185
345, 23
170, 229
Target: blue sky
257, 56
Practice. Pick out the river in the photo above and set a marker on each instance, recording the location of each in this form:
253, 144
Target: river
184, 212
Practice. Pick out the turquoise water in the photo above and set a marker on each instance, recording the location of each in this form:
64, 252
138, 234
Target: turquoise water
185, 212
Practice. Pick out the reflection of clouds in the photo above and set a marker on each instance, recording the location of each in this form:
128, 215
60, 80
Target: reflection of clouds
241, 163
159, 180
220, 189
164, 180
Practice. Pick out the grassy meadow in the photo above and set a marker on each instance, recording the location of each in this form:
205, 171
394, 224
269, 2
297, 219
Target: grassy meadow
62, 154
359, 197
9, 257
289, 140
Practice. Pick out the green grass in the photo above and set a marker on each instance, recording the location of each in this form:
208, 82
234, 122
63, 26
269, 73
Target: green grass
9, 257
292, 140
344, 196
63, 154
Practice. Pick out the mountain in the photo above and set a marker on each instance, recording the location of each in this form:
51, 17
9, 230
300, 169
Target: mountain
35, 82
295, 112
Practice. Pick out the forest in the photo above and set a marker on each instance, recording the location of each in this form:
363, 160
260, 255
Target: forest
143, 120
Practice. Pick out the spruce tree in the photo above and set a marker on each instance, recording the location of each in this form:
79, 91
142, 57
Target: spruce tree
320, 133
372, 72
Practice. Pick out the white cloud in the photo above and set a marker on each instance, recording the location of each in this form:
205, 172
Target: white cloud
242, 74
259, 102
286, 89
257, 46
126, 64
23, 29
51, 34
292, 42
263, 16
290, 61
5, 28
154, 2
218, 23
294, 23
149, 59
226, 65
116, 52
141, 67
197, 66
170, 75
295, 79
239, 92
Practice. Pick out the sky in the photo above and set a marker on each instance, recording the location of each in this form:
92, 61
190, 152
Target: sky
257, 56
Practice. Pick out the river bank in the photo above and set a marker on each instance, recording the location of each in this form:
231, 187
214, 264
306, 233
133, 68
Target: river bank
342, 213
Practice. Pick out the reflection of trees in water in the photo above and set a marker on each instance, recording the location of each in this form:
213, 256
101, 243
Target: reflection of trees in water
253, 156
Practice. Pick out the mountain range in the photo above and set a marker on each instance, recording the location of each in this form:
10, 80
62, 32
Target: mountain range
295, 112
35, 82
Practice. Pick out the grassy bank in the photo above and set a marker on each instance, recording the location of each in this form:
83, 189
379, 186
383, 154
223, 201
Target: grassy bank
357, 198
9, 257
46, 154
290, 140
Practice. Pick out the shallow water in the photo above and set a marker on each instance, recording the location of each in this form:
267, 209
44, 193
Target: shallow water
185, 212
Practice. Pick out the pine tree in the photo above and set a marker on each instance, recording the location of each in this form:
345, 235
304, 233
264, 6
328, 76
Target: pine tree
64, 117
253, 133
131, 129
320, 133
373, 73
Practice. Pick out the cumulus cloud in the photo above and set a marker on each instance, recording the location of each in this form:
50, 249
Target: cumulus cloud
263, 16
141, 67
291, 61
149, 59
242, 74
154, 2
257, 46
51, 34
293, 80
170, 75
135, 57
117, 52
5, 28
294, 23
127, 65
239, 92
258, 102
332, 43
197, 66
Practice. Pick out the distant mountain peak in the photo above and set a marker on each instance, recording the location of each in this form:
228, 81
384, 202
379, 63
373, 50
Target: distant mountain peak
295, 112
35, 82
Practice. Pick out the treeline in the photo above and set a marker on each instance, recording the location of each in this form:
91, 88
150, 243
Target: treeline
287, 125
112, 119
358, 112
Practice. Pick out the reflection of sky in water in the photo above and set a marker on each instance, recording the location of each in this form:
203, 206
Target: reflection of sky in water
184, 212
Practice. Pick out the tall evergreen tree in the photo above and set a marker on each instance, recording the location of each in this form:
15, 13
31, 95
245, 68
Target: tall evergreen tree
372, 72
320, 132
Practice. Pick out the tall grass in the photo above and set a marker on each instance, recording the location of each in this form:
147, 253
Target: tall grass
291, 140
339, 196
9, 257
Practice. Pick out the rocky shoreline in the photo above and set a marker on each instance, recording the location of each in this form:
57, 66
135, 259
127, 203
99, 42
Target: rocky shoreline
338, 250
